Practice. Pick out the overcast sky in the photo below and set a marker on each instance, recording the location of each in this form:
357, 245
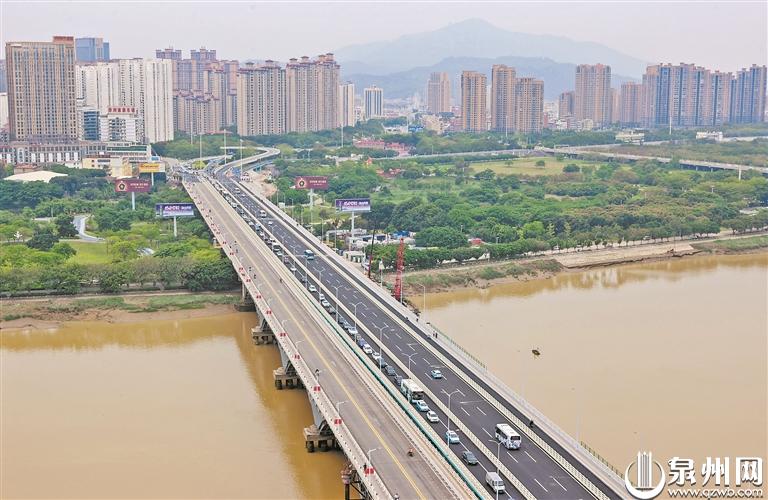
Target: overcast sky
723, 35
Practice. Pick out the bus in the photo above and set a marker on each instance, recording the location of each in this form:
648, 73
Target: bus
507, 436
411, 390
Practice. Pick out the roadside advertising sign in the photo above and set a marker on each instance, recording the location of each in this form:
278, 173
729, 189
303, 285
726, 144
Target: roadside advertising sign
311, 182
151, 168
166, 210
353, 205
133, 185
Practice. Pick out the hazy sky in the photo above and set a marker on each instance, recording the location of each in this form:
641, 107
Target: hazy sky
723, 35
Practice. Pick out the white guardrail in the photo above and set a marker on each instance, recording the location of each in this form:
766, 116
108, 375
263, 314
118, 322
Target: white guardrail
420, 444
590, 459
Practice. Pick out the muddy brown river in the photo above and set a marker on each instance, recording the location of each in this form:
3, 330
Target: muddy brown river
668, 356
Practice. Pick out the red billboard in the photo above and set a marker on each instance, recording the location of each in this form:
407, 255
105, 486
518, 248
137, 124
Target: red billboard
311, 182
133, 185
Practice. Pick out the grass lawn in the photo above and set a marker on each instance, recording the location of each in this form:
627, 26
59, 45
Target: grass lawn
527, 166
89, 253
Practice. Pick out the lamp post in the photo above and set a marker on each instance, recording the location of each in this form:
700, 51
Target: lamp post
409, 360
338, 409
337, 301
449, 394
369, 459
498, 451
381, 342
355, 309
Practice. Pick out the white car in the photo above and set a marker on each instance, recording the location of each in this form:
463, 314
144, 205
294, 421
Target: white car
376, 356
367, 349
269, 222
292, 268
312, 288
321, 296
324, 303
432, 417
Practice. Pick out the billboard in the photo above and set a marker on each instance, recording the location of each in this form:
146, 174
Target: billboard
132, 185
151, 168
175, 210
353, 205
311, 182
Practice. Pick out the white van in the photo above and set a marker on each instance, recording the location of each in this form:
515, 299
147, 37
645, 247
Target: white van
495, 482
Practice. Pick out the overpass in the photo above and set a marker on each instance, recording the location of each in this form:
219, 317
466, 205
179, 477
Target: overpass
468, 399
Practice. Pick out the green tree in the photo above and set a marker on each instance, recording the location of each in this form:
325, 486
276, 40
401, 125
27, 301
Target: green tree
211, 275
43, 239
64, 249
447, 237
64, 226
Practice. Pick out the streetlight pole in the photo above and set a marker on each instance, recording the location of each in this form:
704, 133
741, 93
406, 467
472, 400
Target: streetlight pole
369, 459
449, 394
409, 360
338, 409
498, 451
381, 342
337, 301
355, 308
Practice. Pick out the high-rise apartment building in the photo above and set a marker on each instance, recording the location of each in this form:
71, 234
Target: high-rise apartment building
748, 95
529, 104
347, 104
592, 95
196, 113
502, 98
630, 109
720, 100
97, 85
312, 94
261, 100
3, 77
474, 101
373, 102
565, 104
91, 50
41, 90
439, 93
88, 124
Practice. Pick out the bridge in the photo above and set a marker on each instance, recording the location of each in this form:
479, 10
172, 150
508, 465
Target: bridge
356, 405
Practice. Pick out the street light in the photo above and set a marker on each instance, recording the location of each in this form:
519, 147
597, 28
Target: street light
449, 394
355, 309
369, 459
409, 360
381, 342
338, 410
498, 460
337, 301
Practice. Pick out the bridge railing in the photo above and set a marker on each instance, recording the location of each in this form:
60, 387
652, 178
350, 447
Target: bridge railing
554, 454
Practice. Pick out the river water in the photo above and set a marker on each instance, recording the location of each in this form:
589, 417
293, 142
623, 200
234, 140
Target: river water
162, 409
667, 356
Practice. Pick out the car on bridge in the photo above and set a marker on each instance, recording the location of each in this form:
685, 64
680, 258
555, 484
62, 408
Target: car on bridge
311, 288
376, 357
292, 268
325, 303
390, 371
361, 342
421, 405
452, 437
432, 417
469, 458
367, 349
436, 374
352, 330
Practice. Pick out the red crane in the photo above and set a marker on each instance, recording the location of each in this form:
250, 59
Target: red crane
398, 290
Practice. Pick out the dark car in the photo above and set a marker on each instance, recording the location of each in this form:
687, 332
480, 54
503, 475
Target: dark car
390, 371
469, 457
398, 379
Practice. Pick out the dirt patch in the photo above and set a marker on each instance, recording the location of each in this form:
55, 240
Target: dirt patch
51, 312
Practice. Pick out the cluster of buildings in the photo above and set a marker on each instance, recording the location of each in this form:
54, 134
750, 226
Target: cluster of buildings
670, 95
683, 95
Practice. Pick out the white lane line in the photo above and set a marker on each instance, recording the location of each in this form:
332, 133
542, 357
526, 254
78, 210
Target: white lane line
465, 411
542, 486
512, 457
398, 348
489, 434
374, 313
425, 359
481, 411
398, 336
385, 335
529, 455
459, 391
558, 483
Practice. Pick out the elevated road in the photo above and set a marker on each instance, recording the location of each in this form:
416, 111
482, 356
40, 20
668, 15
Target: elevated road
549, 463
374, 432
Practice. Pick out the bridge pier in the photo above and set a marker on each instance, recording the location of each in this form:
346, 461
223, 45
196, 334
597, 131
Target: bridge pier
263, 334
319, 439
352, 484
246, 302
286, 378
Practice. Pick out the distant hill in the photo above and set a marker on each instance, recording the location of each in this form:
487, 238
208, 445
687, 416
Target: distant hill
476, 38
558, 77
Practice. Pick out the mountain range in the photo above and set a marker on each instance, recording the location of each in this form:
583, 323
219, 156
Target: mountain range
402, 66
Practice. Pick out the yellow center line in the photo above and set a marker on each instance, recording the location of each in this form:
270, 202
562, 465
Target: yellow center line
338, 380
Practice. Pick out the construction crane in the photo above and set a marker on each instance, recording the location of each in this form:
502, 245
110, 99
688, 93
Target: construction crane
398, 290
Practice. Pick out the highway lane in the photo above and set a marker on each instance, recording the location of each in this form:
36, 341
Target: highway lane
466, 400
412, 475
540, 474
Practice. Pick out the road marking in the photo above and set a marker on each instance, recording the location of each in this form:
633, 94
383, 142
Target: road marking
529, 455
425, 359
558, 483
398, 336
489, 434
465, 411
542, 486
512, 457
398, 348
385, 335
481, 411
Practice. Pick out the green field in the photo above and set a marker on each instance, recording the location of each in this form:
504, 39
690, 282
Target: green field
89, 253
526, 166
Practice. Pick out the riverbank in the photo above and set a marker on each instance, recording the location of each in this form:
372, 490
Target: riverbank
486, 274
43, 313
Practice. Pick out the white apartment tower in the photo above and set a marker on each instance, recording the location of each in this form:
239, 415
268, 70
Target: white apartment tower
373, 102
347, 104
